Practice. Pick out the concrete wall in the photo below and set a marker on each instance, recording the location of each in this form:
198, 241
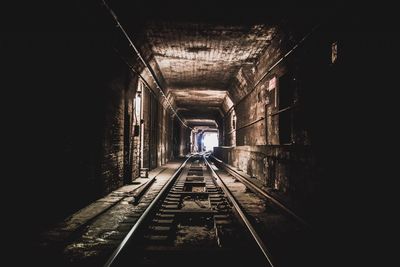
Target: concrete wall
229, 129
288, 171
146, 128
184, 140
117, 114
157, 148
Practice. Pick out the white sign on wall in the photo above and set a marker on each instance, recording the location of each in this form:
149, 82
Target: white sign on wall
272, 84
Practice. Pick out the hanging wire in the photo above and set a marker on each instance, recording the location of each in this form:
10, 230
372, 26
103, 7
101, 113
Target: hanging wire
148, 67
294, 48
145, 83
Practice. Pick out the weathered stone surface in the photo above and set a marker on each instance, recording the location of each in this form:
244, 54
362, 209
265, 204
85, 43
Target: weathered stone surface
289, 171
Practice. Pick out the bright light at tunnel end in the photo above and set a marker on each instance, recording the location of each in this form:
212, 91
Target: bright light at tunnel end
210, 140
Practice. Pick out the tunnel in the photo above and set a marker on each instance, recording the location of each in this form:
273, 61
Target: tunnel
184, 134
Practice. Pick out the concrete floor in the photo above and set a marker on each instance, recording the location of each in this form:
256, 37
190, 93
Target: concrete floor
88, 237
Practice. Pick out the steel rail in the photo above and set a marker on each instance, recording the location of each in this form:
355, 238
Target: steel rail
145, 214
258, 190
242, 215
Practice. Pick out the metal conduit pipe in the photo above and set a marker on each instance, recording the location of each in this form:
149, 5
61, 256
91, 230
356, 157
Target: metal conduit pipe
272, 68
148, 67
147, 85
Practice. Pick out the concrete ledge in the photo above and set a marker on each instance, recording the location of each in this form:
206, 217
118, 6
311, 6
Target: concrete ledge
279, 199
86, 215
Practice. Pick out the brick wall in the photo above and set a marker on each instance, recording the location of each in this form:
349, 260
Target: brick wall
290, 161
251, 110
288, 171
119, 145
157, 131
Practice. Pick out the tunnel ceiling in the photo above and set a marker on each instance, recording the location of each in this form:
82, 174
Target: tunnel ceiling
201, 46
194, 55
198, 61
202, 122
200, 113
189, 97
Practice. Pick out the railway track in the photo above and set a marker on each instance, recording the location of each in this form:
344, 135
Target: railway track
194, 221
289, 238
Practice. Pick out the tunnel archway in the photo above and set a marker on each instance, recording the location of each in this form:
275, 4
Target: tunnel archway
204, 86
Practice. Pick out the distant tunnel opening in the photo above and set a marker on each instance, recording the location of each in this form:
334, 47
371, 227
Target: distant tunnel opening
210, 140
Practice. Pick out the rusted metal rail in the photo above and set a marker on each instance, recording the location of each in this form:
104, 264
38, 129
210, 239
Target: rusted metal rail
253, 187
145, 214
242, 215
194, 195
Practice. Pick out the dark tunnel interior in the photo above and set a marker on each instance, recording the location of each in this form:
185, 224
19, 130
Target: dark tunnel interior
274, 91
